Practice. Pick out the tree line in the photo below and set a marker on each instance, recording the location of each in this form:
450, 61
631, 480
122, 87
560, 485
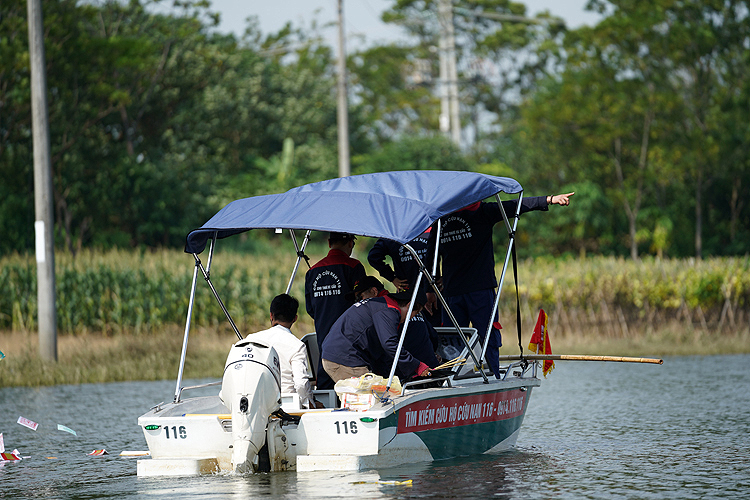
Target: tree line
157, 119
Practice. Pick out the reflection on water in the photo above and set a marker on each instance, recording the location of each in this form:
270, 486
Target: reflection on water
593, 430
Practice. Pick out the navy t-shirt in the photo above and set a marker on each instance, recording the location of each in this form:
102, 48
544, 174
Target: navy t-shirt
326, 286
421, 342
468, 259
367, 334
404, 265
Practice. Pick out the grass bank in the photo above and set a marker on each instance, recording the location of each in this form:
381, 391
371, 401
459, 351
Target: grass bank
95, 358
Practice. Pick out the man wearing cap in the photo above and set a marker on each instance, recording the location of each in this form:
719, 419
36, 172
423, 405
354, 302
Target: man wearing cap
327, 284
366, 337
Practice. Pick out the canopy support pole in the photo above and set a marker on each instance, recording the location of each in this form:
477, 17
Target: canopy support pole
511, 243
433, 284
191, 303
300, 255
406, 323
216, 294
185, 337
436, 256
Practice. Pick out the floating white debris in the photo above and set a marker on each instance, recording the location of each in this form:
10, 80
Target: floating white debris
61, 427
10, 457
128, 453
28, 423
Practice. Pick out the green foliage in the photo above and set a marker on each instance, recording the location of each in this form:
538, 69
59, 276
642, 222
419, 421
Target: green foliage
639, 289
578, 229
393, 89
638, 109
157, 121
413, 153
153, 119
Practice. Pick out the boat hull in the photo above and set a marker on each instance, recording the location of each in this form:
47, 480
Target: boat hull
432, 424
422, 425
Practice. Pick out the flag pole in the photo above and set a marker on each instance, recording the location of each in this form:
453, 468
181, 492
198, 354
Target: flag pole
579, 357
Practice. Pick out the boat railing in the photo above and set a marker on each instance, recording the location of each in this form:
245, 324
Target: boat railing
179, 391
416, 384
519, 369
525, 366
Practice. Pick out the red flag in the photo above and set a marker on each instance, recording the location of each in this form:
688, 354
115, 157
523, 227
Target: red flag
539, 343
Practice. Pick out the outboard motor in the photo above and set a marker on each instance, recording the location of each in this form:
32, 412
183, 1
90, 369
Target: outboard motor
251, 389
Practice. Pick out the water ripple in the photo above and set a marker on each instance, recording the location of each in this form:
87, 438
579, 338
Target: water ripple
592, 431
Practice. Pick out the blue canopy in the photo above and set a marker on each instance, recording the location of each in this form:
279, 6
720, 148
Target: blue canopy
398, 206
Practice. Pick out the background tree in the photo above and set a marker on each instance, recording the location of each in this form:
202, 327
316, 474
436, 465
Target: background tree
157, 120
414, 153
500, 53
631, 84
393, 88
16, 157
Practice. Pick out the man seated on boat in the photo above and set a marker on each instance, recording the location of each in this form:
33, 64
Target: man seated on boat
366, 337
421, 338
291, 350
326, 286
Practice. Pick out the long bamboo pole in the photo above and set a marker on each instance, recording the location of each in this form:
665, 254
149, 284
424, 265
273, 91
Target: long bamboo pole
580, 357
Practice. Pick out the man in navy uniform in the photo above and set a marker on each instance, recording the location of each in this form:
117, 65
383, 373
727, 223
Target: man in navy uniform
421, 338
327, 284
366, 336
468, 264
405, 270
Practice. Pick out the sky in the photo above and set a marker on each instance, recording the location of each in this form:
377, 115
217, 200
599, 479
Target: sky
361, 17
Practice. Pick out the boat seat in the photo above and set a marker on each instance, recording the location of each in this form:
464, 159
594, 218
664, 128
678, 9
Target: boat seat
327, 397
449, 344
290, 400
313, 354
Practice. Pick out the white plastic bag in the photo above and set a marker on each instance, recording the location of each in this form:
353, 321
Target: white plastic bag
366, 384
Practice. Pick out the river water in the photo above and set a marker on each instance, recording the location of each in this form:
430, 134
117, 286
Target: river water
593, 430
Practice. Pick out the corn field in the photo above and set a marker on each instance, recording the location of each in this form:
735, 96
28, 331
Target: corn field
614, 297
135, 292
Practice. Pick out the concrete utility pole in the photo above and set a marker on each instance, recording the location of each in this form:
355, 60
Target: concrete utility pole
43, 225
450, 120
343, 107
449, 109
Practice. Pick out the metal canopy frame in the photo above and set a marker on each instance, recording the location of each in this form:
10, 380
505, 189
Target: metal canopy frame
428, 274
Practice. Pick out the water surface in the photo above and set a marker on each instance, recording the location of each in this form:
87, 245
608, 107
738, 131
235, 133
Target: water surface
592, 430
